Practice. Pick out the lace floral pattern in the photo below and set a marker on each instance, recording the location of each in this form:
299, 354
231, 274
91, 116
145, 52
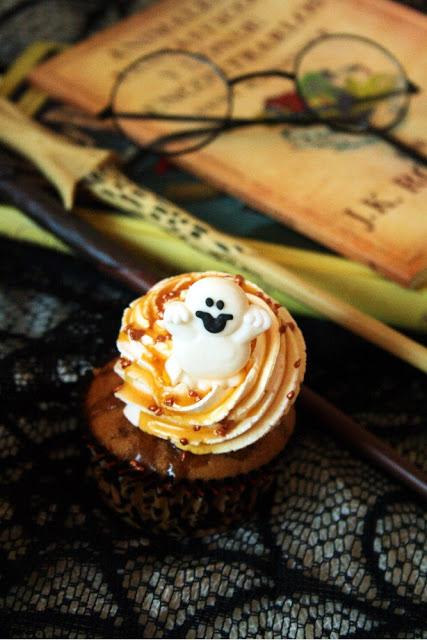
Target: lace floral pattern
339, 551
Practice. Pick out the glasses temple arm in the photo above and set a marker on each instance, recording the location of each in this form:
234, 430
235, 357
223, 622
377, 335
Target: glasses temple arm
410, 151
221, 122
407, 149
226, 126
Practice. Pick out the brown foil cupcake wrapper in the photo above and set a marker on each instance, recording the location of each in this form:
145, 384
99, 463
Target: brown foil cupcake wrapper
177, 508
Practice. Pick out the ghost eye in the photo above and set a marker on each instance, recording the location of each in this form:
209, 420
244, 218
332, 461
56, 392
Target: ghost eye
220, 304
209, 302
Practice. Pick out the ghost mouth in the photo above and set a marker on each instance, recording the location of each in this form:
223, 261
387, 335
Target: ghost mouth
211, 324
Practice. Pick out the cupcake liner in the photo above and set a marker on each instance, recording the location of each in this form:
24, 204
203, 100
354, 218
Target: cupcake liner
148, 501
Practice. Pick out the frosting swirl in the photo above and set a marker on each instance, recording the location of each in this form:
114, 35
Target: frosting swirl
216, 416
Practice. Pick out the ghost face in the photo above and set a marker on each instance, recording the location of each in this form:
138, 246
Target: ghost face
219, 303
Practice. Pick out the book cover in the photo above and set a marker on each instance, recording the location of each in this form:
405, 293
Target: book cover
352, 192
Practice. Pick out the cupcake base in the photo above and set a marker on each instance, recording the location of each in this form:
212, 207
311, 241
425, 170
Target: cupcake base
178, 507
155, 486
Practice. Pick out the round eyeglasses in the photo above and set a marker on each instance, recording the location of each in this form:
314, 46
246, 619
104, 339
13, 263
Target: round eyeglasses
185, 100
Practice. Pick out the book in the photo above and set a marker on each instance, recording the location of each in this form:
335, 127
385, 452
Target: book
354, 193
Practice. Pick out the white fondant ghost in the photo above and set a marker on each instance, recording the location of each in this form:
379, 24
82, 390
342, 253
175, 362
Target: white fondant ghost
212, 331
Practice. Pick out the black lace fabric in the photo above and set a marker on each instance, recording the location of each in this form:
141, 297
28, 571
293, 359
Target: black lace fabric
338, 551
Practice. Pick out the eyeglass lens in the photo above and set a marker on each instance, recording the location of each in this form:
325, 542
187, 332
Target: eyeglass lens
171, 83
342, 79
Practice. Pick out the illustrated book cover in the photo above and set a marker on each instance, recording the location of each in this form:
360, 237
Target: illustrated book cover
353, 192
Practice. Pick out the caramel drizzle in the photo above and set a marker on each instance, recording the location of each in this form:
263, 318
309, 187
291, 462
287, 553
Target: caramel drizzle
134, 333
152, 310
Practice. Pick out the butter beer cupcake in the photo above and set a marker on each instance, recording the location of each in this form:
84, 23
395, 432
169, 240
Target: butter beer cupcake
185, 425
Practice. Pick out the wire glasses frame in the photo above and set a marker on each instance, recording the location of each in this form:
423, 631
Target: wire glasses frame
345, 81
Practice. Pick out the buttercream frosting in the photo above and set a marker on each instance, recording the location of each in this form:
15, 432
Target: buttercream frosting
193, 405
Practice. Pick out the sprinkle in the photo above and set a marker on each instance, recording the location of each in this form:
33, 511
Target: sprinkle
197, 427
193, 394
220, 431
266, 299
238, 279
137, 465
297, 364
162, 337
169, 401
125, 362
183, 441
155, 409
290, 395
134, 332
227, 425
183, 456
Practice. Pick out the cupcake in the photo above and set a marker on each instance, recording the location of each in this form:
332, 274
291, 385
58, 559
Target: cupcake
187, 423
